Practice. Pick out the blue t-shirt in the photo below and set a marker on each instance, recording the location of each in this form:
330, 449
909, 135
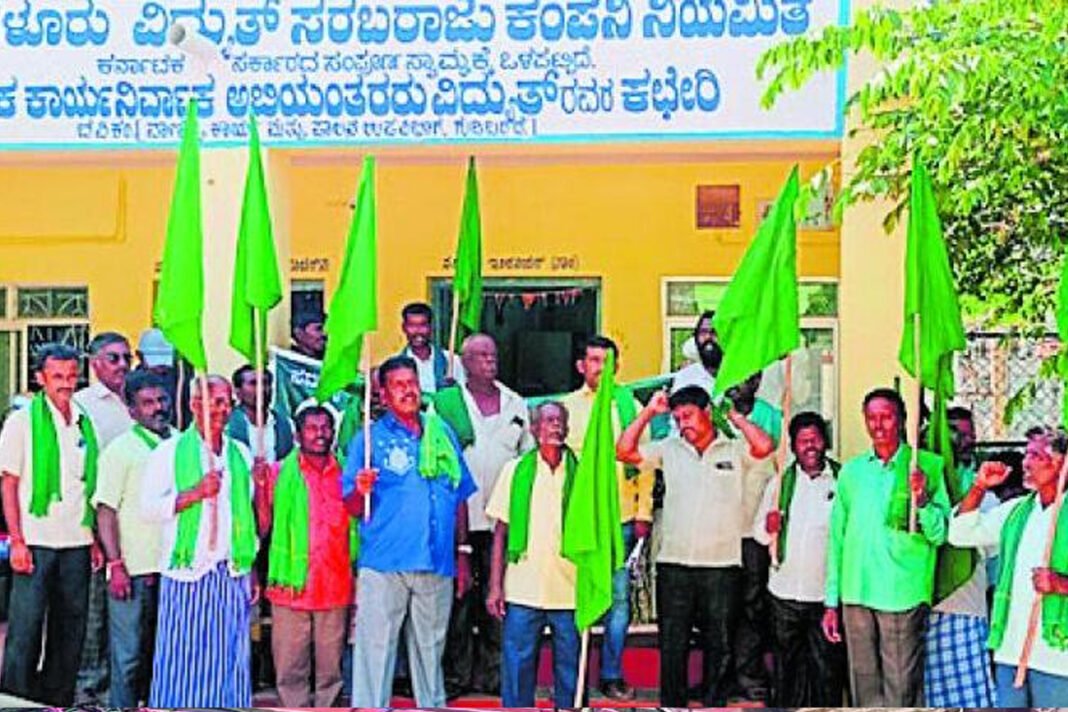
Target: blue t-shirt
413, 520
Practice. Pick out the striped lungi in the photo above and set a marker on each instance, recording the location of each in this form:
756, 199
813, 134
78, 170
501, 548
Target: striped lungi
958, 664
202, 643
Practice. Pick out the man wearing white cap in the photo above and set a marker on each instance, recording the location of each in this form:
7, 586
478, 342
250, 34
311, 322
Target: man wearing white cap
156, 354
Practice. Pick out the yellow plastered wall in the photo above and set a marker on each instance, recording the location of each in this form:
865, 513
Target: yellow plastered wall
627, 218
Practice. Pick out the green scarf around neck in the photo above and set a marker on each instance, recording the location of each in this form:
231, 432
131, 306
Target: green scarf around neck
901, 497
519, 502
786, 498
288, 555
187, 473
46, 459
149, 438
449, 403
1054, 606
437, 456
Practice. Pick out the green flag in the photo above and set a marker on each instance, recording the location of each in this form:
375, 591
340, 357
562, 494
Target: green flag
179, 310
257, 286
757, 320
467, 270
930, 295
354, 306
592, 536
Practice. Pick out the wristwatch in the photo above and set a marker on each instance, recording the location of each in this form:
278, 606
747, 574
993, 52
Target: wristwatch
465, 549
111, 565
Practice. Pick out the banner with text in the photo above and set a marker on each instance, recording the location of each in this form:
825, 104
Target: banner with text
95, 73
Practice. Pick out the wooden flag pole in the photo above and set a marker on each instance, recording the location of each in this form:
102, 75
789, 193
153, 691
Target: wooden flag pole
261, 419
367, 419
454, 328
913, 502
178, 391
580, 688
213, 503
1036, 606
780, 451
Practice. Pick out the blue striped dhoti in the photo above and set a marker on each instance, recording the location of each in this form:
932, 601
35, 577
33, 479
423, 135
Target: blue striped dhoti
202, 643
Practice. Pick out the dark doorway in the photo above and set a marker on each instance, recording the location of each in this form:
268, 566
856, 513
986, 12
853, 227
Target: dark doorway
539, 326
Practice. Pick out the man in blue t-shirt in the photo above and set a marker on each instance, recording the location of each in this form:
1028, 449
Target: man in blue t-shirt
413, 542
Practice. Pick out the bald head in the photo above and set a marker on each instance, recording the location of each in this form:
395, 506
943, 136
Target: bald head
479, 357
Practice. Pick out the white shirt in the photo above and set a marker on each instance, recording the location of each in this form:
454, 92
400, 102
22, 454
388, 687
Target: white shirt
498, 439
694, 375
983, 529
425, 367
970, 598
801, 575
110, 416
62, 527
703, 514
159, 494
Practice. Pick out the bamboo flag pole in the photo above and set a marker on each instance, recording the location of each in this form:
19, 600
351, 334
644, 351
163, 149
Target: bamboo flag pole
1036, 606
580, 688
916, 425
178, 391
261, 416
367, 419
454, 329
213, 503
780, 451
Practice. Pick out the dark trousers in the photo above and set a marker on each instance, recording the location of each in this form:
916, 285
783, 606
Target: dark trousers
752, 639
92, 687
809, 669
706, 599
473, 644
132, 635
58, 587
886, 656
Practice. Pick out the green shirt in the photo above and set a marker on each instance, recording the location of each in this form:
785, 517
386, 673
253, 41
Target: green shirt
869, 563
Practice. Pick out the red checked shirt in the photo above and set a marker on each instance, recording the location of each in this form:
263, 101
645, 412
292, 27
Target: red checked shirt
329, 583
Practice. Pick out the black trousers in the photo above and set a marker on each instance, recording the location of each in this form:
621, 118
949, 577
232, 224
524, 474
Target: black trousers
706, 599
58, 587
752, 640
809, 669
472, 659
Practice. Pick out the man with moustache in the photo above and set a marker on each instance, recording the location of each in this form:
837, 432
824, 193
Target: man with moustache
703, 373
413, 543
880, 573
699, 565
417, 323
490, 421
110, 360
131, 545
48, 459
309, 339
199, 487
809, 669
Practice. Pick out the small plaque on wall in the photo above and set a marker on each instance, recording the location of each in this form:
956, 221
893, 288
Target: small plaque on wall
718, 206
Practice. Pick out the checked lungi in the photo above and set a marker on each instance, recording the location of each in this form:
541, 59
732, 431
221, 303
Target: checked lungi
958, 664
202, 642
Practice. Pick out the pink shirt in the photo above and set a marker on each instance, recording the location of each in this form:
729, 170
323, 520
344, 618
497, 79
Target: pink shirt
329, 583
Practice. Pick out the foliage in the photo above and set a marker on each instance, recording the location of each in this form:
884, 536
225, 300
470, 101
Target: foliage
979, 90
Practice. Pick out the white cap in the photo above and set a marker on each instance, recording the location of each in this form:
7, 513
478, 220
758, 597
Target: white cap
155, 350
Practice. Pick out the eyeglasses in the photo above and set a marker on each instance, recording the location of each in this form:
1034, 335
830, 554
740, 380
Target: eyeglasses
113, 358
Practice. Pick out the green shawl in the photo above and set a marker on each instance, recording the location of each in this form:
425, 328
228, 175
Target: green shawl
449, 403
288, 555
46, 461
519, 501
786, 498
187, 473
437, 456
1054, 606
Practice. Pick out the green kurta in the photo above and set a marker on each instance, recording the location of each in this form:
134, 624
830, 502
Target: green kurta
869, 562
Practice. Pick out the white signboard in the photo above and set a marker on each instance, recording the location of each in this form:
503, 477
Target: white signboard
111, 73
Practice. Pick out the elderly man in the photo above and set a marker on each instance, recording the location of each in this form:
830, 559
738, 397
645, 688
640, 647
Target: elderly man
131, 544
699, 568
809, 669
412, 544
1021, 527
417, 323
48, 459
881, 573
635, 502
532, 585
490, 421
199, 486
110, 360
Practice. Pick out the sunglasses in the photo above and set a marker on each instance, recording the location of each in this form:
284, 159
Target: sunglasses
113, 358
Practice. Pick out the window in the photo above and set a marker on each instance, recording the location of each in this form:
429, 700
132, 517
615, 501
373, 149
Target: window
814, 365
306, 295
43, 315
53, 302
